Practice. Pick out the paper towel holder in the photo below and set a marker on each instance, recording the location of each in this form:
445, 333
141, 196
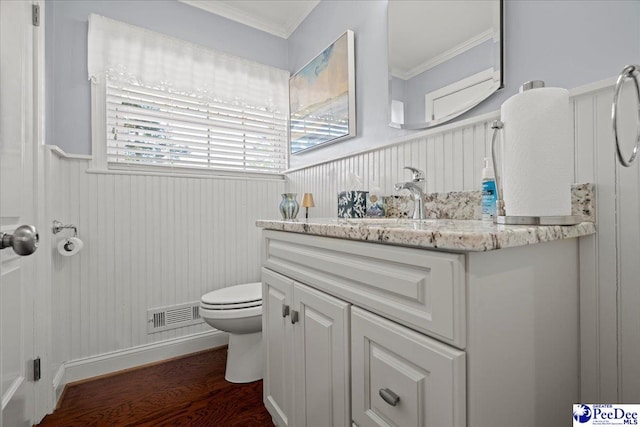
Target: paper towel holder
501, 215
630, 71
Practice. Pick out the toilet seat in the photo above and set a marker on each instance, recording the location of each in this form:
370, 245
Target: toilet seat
233, 298
241, 313
248, 304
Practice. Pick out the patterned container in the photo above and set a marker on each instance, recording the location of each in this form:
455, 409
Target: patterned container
352, 204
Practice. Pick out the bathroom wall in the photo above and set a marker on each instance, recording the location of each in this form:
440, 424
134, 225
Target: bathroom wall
609, 264
150, 241
567, 43
68, 123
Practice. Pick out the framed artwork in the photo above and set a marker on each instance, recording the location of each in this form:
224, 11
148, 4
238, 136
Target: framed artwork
322, 97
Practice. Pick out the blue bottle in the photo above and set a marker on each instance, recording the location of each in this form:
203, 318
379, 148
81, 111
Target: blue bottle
489, 196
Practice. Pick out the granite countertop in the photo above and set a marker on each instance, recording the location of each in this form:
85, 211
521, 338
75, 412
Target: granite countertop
444, 234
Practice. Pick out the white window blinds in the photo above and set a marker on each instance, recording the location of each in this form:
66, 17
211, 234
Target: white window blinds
173, 104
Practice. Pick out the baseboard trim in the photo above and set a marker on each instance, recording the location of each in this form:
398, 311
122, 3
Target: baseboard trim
88, 367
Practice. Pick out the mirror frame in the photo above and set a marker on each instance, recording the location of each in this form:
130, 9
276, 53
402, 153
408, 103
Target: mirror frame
475, 103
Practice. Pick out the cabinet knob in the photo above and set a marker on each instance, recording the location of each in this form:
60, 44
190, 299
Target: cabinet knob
294, 316
285, 310
388, 396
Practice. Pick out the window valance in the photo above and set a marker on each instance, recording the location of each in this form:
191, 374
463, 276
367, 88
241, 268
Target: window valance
160, 102
133, 55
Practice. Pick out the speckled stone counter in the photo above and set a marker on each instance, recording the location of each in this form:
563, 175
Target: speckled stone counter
444, 234
453, 224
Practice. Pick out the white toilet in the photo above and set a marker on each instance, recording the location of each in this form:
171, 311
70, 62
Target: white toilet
238, 311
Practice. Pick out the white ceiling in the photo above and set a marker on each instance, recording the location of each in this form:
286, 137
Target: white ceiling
277, 17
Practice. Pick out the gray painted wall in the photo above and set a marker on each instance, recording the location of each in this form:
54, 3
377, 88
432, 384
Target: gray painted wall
68, 93
567, 43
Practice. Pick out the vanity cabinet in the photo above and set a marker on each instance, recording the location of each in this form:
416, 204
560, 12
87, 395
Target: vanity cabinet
398, 336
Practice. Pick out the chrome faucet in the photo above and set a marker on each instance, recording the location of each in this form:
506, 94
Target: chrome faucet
417, 187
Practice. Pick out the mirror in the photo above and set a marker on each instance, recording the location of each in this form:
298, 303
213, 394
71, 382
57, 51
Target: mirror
445, 57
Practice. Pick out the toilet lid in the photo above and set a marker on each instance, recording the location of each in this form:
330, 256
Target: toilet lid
235, 295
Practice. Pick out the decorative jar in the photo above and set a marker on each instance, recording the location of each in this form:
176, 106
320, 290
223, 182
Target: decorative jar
289, 206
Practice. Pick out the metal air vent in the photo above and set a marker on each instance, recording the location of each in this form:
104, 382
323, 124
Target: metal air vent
177, 316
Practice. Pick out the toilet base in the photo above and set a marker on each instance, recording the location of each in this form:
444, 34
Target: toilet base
244, 358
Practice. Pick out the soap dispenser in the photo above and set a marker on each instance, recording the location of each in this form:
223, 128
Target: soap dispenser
489, 197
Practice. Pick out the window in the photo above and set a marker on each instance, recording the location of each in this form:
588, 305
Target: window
183, 107
150, 127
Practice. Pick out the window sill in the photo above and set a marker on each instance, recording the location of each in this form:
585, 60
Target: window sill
186, 173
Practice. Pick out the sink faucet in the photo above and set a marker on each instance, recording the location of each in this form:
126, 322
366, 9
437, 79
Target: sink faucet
417, 188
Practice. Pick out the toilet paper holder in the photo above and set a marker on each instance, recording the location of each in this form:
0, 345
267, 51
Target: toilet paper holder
58, 227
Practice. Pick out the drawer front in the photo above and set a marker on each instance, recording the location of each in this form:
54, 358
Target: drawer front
419, 288
402, 378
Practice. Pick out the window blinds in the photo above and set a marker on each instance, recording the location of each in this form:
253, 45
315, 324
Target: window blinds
184, 106
155, 128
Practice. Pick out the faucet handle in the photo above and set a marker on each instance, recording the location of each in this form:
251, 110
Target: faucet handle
417, 174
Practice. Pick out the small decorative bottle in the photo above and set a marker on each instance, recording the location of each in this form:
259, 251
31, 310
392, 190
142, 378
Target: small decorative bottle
489, 196
289, 206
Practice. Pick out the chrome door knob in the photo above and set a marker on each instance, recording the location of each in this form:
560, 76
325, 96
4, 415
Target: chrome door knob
24, 240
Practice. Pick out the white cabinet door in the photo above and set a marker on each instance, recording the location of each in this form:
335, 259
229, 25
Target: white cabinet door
277, 337
322, 371
403, 378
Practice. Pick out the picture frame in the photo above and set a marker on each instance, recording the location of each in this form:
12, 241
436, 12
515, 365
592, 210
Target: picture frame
322, 107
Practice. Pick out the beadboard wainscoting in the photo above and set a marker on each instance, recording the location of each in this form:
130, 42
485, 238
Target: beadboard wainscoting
452, 157
149, 241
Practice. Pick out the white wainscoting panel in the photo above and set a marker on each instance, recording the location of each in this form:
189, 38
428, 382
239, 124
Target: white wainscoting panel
149, 241
452, 158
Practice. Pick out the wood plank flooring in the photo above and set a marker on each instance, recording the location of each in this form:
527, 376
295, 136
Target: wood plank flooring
187, 391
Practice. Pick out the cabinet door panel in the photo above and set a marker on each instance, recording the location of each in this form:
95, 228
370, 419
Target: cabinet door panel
277, 341
322, 359
422, 380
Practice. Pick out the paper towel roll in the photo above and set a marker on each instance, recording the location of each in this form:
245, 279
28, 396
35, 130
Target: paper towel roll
537, 153
70, 246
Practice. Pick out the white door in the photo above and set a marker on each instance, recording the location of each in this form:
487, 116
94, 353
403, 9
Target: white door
17, 201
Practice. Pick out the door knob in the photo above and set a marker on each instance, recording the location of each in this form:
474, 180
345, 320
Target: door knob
24, 240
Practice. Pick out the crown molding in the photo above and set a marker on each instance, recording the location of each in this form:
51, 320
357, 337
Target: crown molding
225, 10
444, 56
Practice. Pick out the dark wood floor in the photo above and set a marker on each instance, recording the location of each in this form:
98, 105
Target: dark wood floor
188, 391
